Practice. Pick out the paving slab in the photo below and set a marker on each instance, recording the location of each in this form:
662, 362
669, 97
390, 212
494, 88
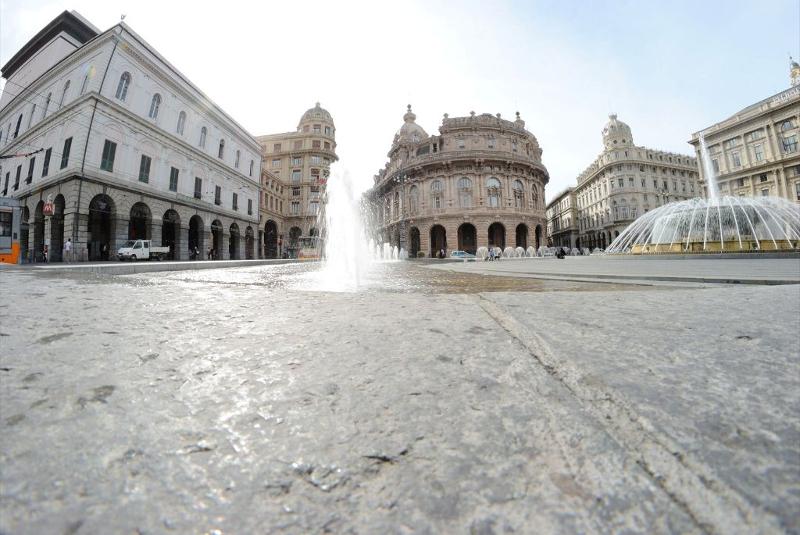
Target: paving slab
200, 401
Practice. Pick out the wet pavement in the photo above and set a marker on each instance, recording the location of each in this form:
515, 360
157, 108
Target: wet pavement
237, 400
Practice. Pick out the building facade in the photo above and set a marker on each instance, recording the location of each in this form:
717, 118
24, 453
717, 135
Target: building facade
756, 152
479, 183
124, 146
626, 181
562, 220
296, 167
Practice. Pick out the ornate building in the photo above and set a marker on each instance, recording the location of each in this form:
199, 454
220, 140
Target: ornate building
626, 181
124, 146
756, 151
296, 167
480, 182
562, 220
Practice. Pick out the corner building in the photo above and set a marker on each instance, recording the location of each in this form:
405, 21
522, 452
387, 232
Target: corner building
296, 167
124, 146
624, 182
479, 183
562, 220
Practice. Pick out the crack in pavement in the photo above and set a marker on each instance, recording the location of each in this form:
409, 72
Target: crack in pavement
691, 485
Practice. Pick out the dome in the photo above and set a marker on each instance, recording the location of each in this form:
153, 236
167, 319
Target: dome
316, 113
410, 132
721, 224
616, 134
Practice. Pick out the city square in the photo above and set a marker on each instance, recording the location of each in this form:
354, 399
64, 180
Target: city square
298, 278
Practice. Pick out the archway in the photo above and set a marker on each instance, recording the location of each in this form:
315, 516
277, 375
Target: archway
248, 243
602, 240
56, 250
233, 242
38, 232
467, 238
538, 236
497, 235
216, 239
171, 232
101, 227
23, 234
196, 236
522, 235
294, 241
438, 240
139, 223
271, 239
414, 246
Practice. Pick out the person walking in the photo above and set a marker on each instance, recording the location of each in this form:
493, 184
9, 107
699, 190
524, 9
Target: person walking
68, 250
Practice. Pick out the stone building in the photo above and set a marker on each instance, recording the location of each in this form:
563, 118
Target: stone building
124, 146
480, 182
755, 151
296, 167
562, 220
625, 181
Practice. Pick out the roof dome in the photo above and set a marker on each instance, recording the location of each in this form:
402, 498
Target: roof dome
616, 134
410, 132
316, 113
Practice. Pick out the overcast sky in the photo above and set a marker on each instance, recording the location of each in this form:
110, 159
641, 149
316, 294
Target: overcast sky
668, 68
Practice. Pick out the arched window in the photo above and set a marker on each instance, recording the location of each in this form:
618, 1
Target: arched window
221, 148
203, 132
181, 122
46, 105
63, 95
122, 86
493, 193
436, 193
238, 155
519, 192
396, 206
465, 192
155, 104
413, 199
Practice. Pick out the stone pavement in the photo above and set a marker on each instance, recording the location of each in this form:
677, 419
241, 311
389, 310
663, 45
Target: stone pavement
222, 400
754, 270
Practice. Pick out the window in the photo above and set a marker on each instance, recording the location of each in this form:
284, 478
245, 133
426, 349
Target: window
762, 177
46, 164
715, 165
758, 152
109, 151
296, 192
413, 199
65, 152
790, 144
797, 190
249, 206
46, 105
122, 86
514, 146
144, 169
203, 133
217, 195
621, 182
235, 202
787, 125
16, 180
630, 181
181, 122
465, 192
491, 142
276, 162
296, 175
327, 145
315, 192
298, 144
315, 160
296, 161
5, 187
238, 157
295, 207
737, 162
198, 188
493, 187
251, 167
765, 192
221, 151
85, 80
276, 147
30, 119
327, 130
63, 95
461, 143
313, 207
519, 193
173, 179
155, 104
31, 164
315, 144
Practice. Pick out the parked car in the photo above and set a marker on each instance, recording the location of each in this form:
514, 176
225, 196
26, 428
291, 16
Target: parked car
141, 249
463, 255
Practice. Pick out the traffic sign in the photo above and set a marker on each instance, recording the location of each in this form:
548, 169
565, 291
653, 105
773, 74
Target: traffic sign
48, 209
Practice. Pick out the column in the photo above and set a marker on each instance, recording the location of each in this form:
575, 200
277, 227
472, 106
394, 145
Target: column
48, 228
182, 251
224, 247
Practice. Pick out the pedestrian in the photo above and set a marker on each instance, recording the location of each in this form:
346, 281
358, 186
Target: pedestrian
104, 252
208, 253
196, 253
68, 250
44, 253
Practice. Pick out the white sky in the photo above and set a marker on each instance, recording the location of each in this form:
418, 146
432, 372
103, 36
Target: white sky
667, 68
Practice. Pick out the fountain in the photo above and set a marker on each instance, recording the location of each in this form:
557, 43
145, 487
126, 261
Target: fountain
715, 224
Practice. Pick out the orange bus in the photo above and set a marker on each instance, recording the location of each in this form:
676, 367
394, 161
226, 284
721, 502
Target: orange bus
10, 223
